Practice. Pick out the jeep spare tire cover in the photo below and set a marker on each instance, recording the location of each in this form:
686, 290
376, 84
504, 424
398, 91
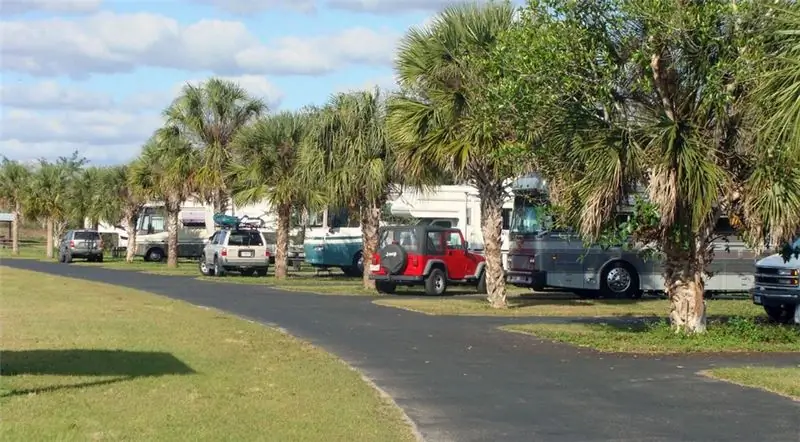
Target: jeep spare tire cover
393, 258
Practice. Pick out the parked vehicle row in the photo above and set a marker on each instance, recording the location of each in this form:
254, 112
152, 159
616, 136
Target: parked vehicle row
436, 258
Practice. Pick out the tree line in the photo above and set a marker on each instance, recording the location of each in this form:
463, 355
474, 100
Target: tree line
694, 102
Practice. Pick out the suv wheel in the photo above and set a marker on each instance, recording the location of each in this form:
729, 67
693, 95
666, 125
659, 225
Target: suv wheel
218, 269
247, 272
436, 283
385, 287
205, 270
262, 272
781, 315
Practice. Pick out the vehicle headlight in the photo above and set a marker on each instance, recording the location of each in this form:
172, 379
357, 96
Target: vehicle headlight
788, 272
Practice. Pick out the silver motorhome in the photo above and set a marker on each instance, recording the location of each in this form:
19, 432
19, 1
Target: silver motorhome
543, 256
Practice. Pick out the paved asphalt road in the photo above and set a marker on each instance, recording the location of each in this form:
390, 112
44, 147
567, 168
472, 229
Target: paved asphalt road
460, 379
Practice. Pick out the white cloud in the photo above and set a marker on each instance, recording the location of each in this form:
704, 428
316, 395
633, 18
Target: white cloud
390, 6
16, 7
49, 95
49, 120
110, 43
243, 7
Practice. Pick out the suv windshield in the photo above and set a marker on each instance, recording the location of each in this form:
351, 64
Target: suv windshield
87, 235
245, 238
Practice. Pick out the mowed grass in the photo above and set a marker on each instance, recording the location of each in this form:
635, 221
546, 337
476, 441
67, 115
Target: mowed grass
564, 305
732, 335
89, 361
781, 380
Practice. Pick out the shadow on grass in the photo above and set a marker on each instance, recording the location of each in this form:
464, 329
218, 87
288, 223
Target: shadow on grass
125, 365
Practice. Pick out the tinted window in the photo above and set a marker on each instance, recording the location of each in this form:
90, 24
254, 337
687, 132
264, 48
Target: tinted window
506, 219
454, 241
245, 238
405, 238
87, 235
435, 243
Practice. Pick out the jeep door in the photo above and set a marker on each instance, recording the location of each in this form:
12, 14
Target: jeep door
456, 258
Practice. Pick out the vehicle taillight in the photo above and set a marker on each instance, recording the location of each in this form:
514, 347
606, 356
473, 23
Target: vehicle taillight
375, 258
224, 252
266, 253
72, 244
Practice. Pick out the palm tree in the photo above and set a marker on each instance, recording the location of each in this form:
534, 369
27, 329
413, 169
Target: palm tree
48, 198
167, 171
208, 117
348, 150
86, 196
14, 181
639, 98
776, 98
266, 167
437, 124
123, 201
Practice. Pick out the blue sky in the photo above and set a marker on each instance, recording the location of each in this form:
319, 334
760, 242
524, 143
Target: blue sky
93, 75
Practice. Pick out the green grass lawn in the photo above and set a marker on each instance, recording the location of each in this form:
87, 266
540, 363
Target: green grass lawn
734, 335
89, 361
548, 304
781, 380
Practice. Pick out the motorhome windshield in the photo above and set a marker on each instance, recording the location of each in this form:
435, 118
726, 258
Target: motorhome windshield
528, 216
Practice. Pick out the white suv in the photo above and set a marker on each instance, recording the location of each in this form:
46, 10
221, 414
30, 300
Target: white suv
241, 250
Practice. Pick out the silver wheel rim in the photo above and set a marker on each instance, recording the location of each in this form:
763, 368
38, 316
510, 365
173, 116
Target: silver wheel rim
618, 279
203, 267
438, 282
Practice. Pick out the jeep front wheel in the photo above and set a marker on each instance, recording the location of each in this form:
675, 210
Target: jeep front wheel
436, 283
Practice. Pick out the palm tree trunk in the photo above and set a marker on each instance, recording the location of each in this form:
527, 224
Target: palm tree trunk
50, 228
492, 199
685, 286
130, 229
282, 237
15, 229
370, 225
172, 235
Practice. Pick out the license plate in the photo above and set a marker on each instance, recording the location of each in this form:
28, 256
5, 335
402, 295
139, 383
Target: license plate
374, 267
757, 299
247, 253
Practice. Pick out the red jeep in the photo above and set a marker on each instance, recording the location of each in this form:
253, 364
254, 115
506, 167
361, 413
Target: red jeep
425, 255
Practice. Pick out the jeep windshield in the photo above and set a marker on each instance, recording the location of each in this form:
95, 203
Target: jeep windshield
405, 238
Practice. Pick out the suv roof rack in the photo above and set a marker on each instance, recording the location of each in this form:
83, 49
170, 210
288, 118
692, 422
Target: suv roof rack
231, 222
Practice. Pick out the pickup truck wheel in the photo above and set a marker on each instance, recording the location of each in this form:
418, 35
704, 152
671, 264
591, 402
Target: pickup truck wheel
781, 315
218, 269
385, 287
436, 283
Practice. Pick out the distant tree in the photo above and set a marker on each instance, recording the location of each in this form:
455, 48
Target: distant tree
14, 182
208, 116
167, 171
266, 167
